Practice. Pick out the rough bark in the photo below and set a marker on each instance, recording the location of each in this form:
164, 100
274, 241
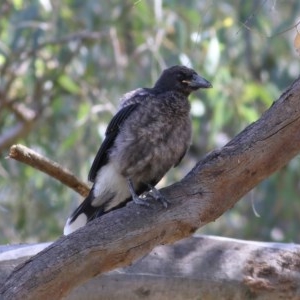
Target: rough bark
215, 184
199, 267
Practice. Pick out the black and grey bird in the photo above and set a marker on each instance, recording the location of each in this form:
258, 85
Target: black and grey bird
149, 134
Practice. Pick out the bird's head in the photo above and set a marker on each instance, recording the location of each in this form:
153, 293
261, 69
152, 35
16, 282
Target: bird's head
181, 79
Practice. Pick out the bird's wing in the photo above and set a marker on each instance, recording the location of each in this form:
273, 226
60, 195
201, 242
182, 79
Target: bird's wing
111, 133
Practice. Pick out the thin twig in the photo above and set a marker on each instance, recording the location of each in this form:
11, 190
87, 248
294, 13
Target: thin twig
53, 169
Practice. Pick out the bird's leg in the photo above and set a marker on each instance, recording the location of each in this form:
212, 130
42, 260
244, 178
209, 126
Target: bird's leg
135, 197
156, 194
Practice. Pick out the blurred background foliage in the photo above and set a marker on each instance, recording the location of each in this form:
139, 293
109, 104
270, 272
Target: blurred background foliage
65, 64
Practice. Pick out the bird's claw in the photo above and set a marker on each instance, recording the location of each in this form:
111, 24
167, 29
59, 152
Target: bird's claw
153, 193
140, 201
156, 195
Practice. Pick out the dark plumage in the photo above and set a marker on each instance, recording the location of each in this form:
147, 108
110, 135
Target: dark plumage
150, 133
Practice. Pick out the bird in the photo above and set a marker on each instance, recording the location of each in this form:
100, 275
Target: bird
150, 133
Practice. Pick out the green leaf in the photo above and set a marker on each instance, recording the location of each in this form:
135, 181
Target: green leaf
17, 4
83, 111
68, 84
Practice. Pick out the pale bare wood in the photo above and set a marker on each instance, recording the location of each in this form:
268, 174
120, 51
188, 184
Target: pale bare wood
30, 157
215, 184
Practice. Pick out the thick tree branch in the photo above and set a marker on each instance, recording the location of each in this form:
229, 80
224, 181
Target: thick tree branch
37, 161
215, 184
199, 267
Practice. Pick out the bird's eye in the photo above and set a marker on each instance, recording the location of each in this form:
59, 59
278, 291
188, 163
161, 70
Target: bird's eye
180, 76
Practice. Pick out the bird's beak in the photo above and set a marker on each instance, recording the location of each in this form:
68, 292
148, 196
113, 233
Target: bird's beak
198, 82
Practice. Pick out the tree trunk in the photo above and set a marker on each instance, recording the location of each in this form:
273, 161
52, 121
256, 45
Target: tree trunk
215, 184
199, 267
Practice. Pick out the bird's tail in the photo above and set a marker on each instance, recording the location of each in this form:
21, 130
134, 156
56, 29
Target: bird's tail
84, 213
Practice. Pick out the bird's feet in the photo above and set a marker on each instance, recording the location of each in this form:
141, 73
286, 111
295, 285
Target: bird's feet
140, 201
137, 200
154, 193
